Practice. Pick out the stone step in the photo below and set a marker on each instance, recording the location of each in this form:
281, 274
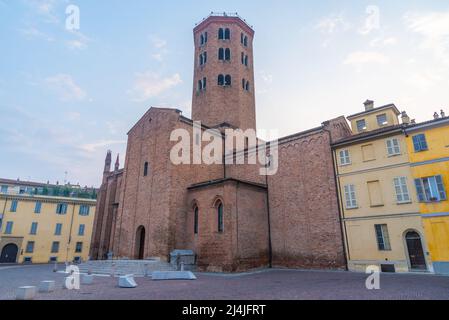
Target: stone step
123, 267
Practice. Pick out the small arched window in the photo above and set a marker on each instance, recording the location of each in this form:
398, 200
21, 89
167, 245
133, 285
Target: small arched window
220, 34
228, 80
227, 54
202, 39
221, 54
243, 58
204, 83
243, 84
245, 41
246, 60
201, 60
195, 219
247, 86
200, 85
145, 169
204, 57
221, 80
220, 217
227, 34
205, 37
241, 38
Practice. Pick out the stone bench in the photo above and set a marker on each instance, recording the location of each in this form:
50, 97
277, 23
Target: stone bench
47, 286
127, 281
26, 293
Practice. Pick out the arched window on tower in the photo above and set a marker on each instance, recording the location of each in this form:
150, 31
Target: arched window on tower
245, 41
195, 219
220, 217
220, 34
204, 83
221, 80
205, 37
241, 38
228, 80
145, 169
221, 54
204, 57
227, 34
201, 60
202, 39
247, 86
243, 58
246, 60
243, 84
228, 54
200, 85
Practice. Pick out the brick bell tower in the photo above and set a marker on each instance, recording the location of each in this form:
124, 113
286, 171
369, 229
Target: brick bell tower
223, 86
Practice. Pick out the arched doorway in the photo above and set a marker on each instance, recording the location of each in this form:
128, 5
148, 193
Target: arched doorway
140, 243
415, 251
9, 253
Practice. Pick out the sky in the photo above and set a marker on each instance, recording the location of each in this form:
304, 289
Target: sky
67, 96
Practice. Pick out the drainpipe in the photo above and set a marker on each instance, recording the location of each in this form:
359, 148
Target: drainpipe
344, 238
270, 246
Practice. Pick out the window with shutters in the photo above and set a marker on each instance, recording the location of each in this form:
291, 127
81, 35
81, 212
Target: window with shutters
382, 120
55, 247
361, 125
345, 158
431, 189
58, 229
61, 208
401, 188
33, 230
420, 143
383, 238
393, 147
37, 207
350, 197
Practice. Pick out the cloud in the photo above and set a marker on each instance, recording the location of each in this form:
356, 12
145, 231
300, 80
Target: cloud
360, 58
158, 43
65, 87
160, 46
33, 32
148, 85
94, 146
383, 42
79, 42
266, 77
46, 9
333, 23
424, 80
434, 29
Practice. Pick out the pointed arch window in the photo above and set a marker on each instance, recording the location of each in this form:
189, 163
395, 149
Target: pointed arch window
243, 84
221, 54
221, 80
246, 61
227, 34
220, 217
220, 34
247, 86
228, 54
202, 39
228, 80
242, 36
245, 41
195, 219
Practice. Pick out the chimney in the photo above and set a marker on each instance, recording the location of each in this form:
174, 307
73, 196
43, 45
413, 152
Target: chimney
413, 121
405, 118
436, 116
369, 105
443, 114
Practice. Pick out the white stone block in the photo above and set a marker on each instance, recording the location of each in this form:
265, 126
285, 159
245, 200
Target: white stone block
173, 275
127, 281
87, 279
47, 286
26, 293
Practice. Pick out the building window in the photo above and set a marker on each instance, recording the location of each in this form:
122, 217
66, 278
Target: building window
203, 58
420, 143
30, 247
53, 259
402, 194
350, 196
4, 189
27, 260
382, 120
37, 207
221, 80
227, 54
361, 125
431, 189
195, 220
220, 34
247, 86
14, 205
33, 230
228, 80
58, 229
393, 147
220, 217
202, 84
383, 239
55, 247
84, 210
61, 208
245, 41
221, 54
9, 225
145, 169
203, 38
345, 158
79, 247
81, 229
227, 34
375, 193
368, 152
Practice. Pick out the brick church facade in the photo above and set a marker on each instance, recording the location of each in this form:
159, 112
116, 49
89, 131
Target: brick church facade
232, 217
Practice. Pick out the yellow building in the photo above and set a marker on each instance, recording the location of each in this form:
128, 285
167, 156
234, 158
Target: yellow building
379, 209
42, 223
428, 145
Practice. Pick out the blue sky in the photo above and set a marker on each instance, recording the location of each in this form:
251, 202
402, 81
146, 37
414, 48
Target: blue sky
66, 97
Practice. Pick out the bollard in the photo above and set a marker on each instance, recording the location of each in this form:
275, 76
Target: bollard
127, 281
47, 286
26, 293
